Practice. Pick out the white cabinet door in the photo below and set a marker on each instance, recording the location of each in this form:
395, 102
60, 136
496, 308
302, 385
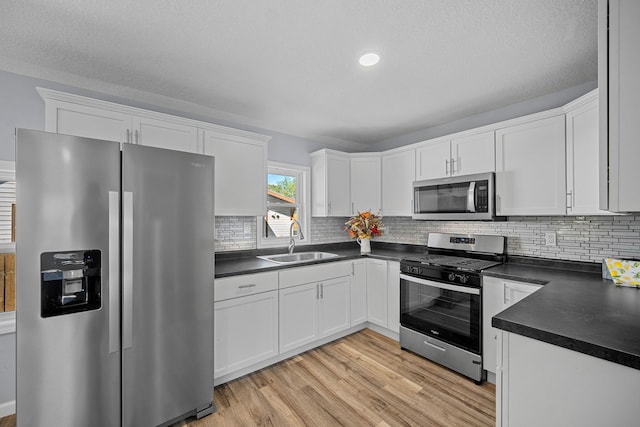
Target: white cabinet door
497, 295
359, 292
330, 183
89, 122
492, 304
530, 168
398, 174
246, 331
393, 296
583, 160
366, 180
377, 292
240, 174
433, 160
334, 311
165, 134
338, 186
298, 315
473, 154
547, 385
619, 68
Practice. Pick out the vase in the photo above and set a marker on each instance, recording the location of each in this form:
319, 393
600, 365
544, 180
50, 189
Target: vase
365, 245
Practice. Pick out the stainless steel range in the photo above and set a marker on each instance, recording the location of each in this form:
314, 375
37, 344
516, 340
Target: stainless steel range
441, 299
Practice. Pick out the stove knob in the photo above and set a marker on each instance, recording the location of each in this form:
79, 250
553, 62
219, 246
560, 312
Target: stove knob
452, 277
464, 278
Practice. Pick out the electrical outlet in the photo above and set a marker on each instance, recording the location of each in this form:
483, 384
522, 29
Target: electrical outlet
550, 239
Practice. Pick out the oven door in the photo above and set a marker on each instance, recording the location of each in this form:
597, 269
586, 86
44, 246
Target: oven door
445, 311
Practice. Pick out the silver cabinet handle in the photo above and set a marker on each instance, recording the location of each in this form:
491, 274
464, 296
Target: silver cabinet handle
114, 271
317, 290
453, 166
127, 270
137, 137
446, 167
353, 209
569, 199
322, 290
250, 285
128, 136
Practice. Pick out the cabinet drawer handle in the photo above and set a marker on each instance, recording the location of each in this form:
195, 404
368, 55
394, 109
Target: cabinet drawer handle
251, 285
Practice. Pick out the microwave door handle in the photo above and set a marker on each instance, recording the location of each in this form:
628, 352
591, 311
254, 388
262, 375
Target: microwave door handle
471, 197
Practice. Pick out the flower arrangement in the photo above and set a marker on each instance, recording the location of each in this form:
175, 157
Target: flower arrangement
365, 225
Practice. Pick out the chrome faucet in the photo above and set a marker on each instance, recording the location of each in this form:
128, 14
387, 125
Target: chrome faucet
292, 243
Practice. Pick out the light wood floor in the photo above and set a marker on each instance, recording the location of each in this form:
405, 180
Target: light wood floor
360, 380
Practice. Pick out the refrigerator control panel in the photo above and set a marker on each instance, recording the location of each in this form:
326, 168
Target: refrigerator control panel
70, 282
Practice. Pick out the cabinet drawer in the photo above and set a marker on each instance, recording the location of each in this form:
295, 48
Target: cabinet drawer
314, 273
247, 284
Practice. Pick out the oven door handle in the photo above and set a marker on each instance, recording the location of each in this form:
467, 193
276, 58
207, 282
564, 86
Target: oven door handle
463, 289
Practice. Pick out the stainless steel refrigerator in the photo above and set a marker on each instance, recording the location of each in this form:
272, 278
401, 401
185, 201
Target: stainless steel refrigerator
114, 282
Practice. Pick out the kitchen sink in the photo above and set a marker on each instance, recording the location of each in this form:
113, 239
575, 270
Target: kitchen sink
298, 257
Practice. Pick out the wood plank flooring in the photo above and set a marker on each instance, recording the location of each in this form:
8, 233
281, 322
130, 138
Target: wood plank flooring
360, 380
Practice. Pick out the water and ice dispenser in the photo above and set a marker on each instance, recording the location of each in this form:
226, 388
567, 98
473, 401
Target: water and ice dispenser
69, 282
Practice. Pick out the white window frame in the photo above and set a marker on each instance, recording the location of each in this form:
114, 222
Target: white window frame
302, 174
7, 319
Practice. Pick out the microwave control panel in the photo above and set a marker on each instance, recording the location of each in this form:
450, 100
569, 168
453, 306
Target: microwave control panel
482, 196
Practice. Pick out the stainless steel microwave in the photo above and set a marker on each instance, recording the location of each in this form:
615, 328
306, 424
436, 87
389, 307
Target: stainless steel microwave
465, 197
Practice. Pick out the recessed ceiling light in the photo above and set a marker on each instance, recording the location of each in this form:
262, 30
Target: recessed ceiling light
369, 59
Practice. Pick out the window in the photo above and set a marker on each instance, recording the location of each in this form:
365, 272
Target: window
286, 201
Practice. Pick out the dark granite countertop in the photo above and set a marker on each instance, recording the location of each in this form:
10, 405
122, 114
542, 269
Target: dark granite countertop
577, 310
246, 262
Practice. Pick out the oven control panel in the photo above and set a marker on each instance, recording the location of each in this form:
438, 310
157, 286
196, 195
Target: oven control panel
442, 274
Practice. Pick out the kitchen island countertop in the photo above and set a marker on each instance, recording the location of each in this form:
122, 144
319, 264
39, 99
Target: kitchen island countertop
577, 310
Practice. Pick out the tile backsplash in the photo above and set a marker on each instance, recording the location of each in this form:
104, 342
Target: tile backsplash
588, 238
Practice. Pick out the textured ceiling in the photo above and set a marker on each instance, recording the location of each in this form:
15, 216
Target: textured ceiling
291, 65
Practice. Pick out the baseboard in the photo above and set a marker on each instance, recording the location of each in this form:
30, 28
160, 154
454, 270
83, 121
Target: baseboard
7, 408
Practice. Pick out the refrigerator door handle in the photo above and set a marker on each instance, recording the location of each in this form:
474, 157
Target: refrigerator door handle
114, 271
127, 270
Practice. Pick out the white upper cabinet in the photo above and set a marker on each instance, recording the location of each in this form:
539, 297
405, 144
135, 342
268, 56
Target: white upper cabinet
618, 83
530, 168
241, 157
89, 122
366, 181
473, 154
433, 159
240, 172
398, 174
330, 183
583, 156
165, 134
456, 155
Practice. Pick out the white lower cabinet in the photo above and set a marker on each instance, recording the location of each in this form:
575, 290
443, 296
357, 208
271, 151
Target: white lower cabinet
262, 318
377, 298
245, 321
393, 296
358, 291
310, 311
298, 315
497, 295
540, 384
246, 331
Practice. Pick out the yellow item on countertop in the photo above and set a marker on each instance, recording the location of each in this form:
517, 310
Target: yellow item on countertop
624, 272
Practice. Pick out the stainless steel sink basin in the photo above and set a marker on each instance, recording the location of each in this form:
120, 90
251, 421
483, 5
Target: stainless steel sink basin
298, 257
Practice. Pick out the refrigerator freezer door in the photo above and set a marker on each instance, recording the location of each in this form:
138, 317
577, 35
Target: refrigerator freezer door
168, 273
68, 371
